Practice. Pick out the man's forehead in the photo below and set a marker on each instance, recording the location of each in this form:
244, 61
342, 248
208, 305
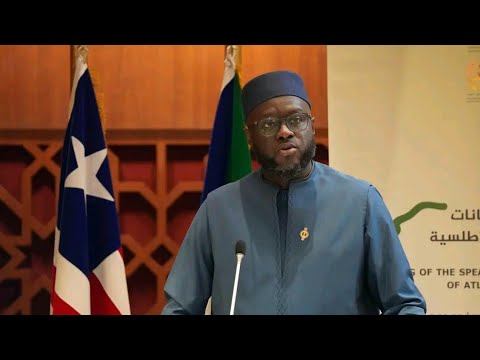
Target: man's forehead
279, 106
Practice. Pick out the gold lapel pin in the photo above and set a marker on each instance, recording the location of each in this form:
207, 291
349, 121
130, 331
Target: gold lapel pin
304, 234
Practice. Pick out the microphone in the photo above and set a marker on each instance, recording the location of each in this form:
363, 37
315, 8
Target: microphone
240, 253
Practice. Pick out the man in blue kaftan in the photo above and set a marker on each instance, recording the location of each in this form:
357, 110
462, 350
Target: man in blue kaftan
317, 241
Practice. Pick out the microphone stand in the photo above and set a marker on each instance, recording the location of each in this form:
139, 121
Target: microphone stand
237, 272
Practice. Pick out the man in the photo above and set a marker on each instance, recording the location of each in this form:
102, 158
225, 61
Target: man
316, 241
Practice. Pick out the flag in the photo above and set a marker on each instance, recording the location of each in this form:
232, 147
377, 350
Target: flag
88, 268
228, 156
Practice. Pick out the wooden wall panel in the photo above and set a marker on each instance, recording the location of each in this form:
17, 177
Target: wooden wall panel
158, 87
161, 87
310, 61
34, 86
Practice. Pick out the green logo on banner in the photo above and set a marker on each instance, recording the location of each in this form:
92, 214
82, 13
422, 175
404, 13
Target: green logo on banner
415, 210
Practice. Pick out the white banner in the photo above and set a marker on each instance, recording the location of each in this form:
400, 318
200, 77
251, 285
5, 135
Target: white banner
407, 119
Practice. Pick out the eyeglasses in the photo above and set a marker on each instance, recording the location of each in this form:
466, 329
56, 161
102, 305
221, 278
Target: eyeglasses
295, 122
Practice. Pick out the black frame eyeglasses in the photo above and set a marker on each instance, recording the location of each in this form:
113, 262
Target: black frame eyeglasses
295, 122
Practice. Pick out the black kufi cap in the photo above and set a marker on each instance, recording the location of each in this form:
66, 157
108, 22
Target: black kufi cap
270, 85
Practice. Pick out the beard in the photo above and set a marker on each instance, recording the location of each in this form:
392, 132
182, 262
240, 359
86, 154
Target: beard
285, 171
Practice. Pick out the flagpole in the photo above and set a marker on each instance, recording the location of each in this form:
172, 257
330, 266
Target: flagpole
236, 52
75, 51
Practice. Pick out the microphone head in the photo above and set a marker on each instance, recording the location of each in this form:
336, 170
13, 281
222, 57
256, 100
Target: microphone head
240, 247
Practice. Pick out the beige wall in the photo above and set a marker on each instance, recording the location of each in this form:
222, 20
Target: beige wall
403, 118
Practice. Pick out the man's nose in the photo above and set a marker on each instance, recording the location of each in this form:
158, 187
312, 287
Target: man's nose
284, 132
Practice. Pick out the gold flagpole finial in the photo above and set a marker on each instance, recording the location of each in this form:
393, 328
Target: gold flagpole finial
79, 51
82, 51
234, 53
75, 52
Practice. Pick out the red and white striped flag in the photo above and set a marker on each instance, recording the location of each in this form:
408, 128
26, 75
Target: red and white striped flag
88, 269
